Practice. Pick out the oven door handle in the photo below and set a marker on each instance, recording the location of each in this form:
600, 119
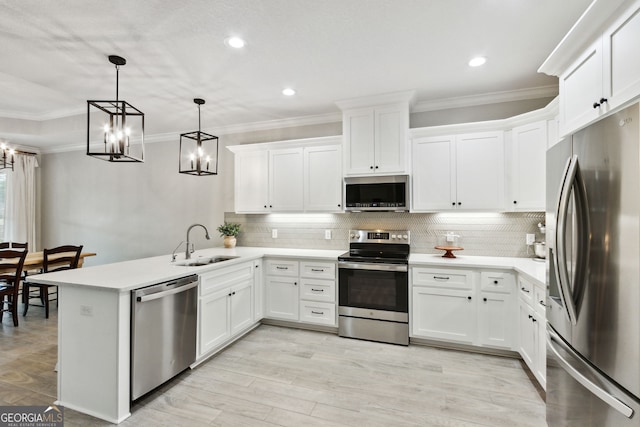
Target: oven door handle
373, 266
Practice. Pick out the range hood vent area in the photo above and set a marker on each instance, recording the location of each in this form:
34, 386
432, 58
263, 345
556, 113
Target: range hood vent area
377, 194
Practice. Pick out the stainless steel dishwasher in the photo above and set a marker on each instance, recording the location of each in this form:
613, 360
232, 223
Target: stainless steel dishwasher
163, 332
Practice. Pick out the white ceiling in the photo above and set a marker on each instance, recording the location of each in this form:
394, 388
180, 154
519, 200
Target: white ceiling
53, 57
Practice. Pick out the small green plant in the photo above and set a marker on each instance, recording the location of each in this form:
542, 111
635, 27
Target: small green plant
229, 229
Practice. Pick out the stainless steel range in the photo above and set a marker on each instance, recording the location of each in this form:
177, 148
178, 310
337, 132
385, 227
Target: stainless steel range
373, 286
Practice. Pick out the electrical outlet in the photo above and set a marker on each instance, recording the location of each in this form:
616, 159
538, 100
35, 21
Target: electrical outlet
327, 234
530, 239
274, 233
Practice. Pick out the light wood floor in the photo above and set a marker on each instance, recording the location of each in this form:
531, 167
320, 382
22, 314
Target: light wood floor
286, 377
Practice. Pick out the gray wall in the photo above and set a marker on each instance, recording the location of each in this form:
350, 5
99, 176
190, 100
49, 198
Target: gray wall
128, 211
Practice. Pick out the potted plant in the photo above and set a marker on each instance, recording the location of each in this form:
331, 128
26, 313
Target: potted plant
229, 231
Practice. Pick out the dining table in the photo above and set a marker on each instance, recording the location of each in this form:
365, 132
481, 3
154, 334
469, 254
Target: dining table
34, 260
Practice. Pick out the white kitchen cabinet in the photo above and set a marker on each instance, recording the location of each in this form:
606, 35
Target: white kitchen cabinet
532, 327
289, 176
323, 178
464, 306
258, 284
252, 182
434, 177
375, 139
444, 314
286, 180
581, 90
528, 334
604, 76
461, 172
225, 306
480, 171
281, 298
496, 314
301, 291
527, 165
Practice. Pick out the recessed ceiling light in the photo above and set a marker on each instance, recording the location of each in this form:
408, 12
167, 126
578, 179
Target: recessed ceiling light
235, 42
477, 61
288, 92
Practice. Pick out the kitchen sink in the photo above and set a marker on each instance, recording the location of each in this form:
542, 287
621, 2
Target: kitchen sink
198, 262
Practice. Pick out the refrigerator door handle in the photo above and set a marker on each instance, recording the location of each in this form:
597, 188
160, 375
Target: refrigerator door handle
604, 395
562, 272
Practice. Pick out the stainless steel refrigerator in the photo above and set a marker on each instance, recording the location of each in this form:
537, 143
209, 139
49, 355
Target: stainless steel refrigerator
593, 275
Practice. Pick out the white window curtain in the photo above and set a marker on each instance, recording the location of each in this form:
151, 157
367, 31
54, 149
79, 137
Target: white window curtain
20, 208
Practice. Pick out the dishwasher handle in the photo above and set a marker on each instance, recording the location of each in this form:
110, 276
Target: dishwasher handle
173, 291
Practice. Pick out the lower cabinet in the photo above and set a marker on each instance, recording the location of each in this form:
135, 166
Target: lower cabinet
225, 305
463, 306
532, 328
301, 291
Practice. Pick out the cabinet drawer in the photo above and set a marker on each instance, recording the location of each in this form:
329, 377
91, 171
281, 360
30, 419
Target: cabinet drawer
319, 270
450, 279
525, 290
540, 298
282, 268
225, 277
496, 281
318, 290
318, 312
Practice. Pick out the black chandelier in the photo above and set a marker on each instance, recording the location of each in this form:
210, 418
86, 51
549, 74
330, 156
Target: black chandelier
119, 134
8, 156
198, 151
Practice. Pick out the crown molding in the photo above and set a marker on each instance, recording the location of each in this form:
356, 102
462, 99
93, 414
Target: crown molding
485, 98
385, 98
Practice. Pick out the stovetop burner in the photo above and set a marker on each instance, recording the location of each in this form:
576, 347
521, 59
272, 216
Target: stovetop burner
381, 246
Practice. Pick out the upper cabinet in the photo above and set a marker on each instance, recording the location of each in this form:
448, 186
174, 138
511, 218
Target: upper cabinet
527, 167
603, 75
461, 172
288, 176
375, 132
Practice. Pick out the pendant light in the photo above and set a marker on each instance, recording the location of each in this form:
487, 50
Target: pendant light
198, 151
116, 127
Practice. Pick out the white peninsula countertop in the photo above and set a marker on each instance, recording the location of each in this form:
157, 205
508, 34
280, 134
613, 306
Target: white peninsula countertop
129, 275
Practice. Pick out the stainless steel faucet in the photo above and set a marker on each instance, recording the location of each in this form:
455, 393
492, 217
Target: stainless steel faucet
187, 253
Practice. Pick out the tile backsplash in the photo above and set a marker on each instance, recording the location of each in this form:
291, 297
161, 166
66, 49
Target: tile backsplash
490, 234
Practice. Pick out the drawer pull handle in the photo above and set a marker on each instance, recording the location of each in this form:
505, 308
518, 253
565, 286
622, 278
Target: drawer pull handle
317, 312
542, 303
441, 277
281, 268
318, 270
317, 290
524, 289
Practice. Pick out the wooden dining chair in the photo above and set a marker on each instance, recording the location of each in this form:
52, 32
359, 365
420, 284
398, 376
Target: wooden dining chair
11, 263
14, 245
59, 258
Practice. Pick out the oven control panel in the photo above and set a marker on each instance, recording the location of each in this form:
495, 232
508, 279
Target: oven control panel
379, 236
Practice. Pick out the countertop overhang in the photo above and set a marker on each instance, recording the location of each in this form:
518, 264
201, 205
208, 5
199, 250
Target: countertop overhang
128, 275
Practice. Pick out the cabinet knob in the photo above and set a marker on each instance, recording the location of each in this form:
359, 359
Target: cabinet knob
484, 299
469, 298
370, 167
530, 317
376, 167
459, 203
453, 203
233, 293
339, 205
515, 202
270, 206
534, 320
495, 282
596, 104
265, 206
603, 100
295, 283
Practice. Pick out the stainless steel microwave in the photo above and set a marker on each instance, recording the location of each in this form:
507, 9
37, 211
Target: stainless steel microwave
377, 193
